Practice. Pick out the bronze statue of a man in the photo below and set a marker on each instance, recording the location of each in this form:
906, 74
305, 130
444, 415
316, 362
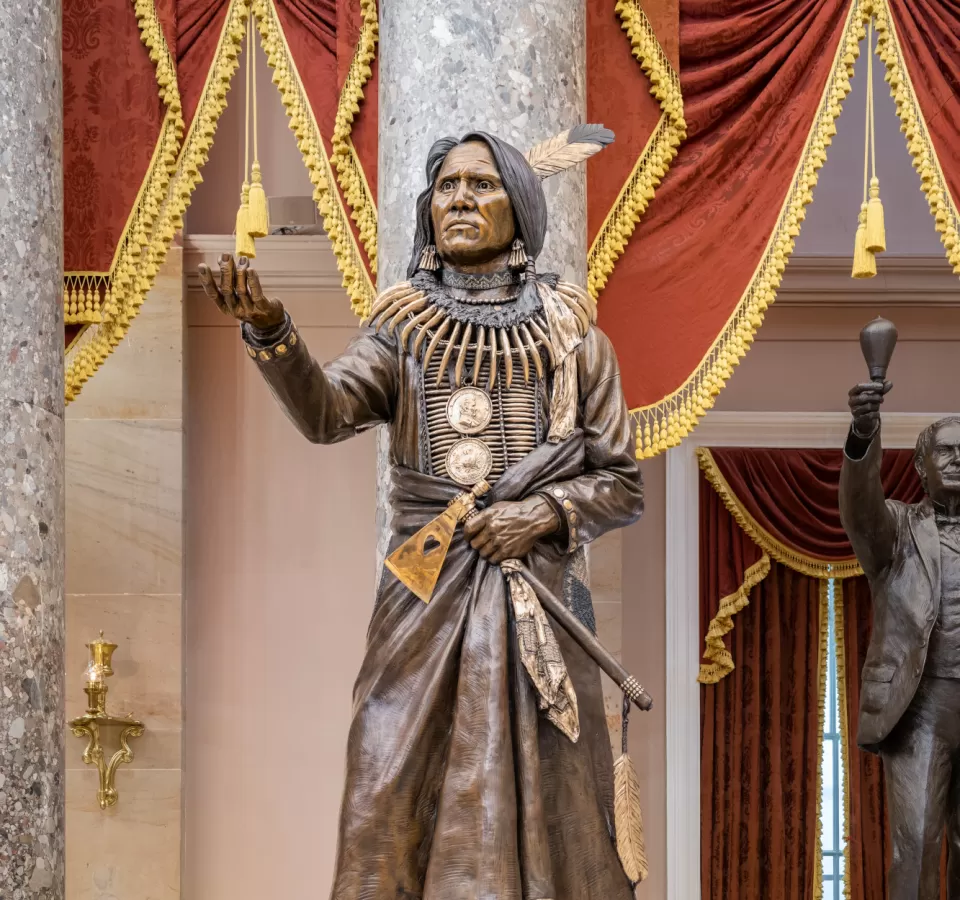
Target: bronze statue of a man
910, 694
474, 770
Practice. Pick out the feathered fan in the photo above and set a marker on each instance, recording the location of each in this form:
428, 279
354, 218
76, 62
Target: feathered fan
568, 148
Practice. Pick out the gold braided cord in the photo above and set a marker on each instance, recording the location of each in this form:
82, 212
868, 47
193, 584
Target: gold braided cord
356, 279
721, 660
350, 173
106, 302
822, 657
839, 642
788, 556
943, 206
638, 190
665, 423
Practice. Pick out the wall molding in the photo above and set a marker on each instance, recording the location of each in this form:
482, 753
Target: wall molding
900, 280
287, 262
683, 639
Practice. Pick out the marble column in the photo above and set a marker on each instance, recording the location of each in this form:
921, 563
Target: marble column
31, 453
515, 69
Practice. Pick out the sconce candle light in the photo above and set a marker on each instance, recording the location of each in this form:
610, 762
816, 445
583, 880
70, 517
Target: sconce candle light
99, 668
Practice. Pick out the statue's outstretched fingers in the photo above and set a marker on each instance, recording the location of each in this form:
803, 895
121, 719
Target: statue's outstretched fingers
228, 283
246, 305
210, 287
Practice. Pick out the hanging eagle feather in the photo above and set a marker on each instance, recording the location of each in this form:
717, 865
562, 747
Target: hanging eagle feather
568, 148
629, 820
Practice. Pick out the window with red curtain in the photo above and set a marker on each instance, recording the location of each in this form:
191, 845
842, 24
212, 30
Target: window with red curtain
790, 807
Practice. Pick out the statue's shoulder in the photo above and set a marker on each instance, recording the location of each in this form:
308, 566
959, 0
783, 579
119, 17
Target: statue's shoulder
395, 303
579, 301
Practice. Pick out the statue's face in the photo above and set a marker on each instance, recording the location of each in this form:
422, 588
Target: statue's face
471, 212
941, 465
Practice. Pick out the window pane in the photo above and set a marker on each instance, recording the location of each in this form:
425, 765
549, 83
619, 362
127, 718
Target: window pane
829, 807
827, 864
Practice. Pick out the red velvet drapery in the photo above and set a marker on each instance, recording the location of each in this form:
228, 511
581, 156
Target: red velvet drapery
760, 732
778, 511
121, 128
793, 494
786, 504
753, 77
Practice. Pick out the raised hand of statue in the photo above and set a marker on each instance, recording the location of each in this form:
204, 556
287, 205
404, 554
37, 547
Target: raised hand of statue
865, 400
238, 293
509, 529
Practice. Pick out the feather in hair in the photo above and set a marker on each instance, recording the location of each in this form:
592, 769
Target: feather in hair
568, 148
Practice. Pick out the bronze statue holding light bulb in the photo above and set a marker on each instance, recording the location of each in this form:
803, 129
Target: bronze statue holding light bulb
910, 692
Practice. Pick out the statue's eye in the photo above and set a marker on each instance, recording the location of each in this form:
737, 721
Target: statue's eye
485, 186
447, 186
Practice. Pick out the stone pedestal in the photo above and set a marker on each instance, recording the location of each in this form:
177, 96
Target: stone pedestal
31, 452
447, 67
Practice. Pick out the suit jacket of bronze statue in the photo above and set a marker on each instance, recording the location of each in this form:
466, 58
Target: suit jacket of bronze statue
905, 584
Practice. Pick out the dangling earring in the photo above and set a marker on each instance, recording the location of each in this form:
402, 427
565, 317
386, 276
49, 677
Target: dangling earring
428, 259
518, 255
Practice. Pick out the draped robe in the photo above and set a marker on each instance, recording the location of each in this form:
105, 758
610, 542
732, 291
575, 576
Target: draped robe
457, 788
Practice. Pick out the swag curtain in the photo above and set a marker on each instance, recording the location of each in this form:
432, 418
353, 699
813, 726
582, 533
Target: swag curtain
765, 513
122, 126
786, 503
724, 112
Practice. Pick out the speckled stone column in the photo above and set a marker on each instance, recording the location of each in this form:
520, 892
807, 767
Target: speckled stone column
31, 453
515, 69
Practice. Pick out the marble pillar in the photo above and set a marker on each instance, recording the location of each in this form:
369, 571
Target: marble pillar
31, 453
448, 67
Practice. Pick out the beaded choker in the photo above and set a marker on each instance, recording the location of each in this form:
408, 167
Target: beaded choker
478, 282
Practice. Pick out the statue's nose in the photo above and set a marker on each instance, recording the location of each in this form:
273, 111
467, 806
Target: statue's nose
463, 198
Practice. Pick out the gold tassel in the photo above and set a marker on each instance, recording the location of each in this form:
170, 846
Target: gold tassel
245, 245
258, 224
876, 239
864, 262
628, 820
257, 221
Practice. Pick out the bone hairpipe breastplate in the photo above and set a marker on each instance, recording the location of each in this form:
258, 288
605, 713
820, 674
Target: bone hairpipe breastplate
508, 421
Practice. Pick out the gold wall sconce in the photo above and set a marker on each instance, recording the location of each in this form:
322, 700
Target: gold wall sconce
96, 717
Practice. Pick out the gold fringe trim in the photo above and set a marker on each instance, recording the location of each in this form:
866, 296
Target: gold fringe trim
350, 174
664, 424
823, 654
654, 161
943, 206
722, 663
356, 279
106, 302
839, 642
794, 559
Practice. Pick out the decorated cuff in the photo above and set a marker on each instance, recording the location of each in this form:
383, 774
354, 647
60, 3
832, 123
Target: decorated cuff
563, 506
270, 343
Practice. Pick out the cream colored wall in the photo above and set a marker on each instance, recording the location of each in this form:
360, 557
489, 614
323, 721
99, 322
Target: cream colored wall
124, 507
280, 583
